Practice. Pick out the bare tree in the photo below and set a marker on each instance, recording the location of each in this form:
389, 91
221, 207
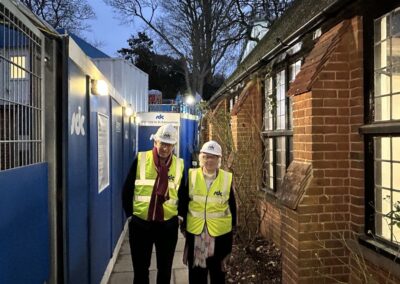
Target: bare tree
263, 13
197, 32
67, 14
200, 33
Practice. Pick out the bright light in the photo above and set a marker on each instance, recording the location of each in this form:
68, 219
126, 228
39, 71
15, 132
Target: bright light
17, 68
189, 100
99, 87
128, 110
138, 120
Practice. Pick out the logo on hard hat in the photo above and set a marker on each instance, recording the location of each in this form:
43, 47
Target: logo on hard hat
167, 135
211, 147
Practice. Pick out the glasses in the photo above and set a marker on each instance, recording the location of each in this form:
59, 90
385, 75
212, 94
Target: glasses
165, 145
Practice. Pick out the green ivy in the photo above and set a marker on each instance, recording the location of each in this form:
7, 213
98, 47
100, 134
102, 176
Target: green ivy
395, 215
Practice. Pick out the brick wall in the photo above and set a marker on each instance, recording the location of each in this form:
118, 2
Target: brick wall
326, 122
326, 119
245, 140
246, 126
270, 228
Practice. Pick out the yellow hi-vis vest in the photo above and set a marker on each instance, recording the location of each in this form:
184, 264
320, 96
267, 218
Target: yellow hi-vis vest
146, 175
212, 207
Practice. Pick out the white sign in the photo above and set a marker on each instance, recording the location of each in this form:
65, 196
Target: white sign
158, 118
77, 121
103, 151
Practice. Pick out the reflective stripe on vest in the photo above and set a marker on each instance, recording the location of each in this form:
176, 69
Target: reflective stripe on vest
209, 207
147, 199
144, 186
226, 213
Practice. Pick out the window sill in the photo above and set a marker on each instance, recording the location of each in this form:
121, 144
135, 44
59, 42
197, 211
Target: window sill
267, 195
277, 133
379, 254
389, 127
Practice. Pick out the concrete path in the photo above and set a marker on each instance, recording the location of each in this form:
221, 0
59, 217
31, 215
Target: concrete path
123, 271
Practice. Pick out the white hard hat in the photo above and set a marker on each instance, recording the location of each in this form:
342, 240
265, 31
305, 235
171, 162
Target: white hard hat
166, 134
211, 147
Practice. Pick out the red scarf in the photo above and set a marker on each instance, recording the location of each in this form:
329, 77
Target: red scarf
160, 190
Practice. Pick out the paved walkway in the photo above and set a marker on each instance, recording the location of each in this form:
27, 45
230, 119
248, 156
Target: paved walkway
123, 271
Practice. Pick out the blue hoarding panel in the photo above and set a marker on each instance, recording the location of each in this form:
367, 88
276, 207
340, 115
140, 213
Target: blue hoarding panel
144, 137
76, 196
100, 202
116, 171
24, 237
188, 133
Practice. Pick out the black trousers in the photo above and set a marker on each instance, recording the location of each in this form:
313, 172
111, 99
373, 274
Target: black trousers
198, 275
142, 236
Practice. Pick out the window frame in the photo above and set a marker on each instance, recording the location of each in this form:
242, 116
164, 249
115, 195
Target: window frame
276, 133
374, 129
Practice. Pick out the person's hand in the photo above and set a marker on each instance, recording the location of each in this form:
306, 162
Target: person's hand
183, 232
182, 226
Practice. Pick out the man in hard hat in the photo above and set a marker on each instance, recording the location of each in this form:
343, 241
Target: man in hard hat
208, 206
150, 196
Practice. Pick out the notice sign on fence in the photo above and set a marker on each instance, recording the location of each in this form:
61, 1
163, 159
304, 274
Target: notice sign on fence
103, 151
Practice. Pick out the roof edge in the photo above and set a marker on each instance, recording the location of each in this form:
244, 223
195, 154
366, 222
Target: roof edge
320, 17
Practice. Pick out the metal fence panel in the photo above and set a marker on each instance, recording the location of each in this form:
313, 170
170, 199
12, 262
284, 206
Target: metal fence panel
21, 110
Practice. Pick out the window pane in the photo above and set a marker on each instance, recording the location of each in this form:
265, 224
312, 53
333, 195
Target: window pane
396, 79
396, 50
382, 174
280, 159
383, 201
396, 175
382, 108
268, 111
269, 164
281, 100
382, 55
382, 82
395, 25
294, 69
396, 234
382, 227
381, 29
396, 149
382, 148
396, 107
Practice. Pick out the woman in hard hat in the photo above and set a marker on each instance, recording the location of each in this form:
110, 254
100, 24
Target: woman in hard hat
150, 196
209, 207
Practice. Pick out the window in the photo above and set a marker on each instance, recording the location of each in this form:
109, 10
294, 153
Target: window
382, 133
278, 126
387, 186
387, 67
17, 66
230, 104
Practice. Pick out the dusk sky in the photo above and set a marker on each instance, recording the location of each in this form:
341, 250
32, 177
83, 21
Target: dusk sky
107, 29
